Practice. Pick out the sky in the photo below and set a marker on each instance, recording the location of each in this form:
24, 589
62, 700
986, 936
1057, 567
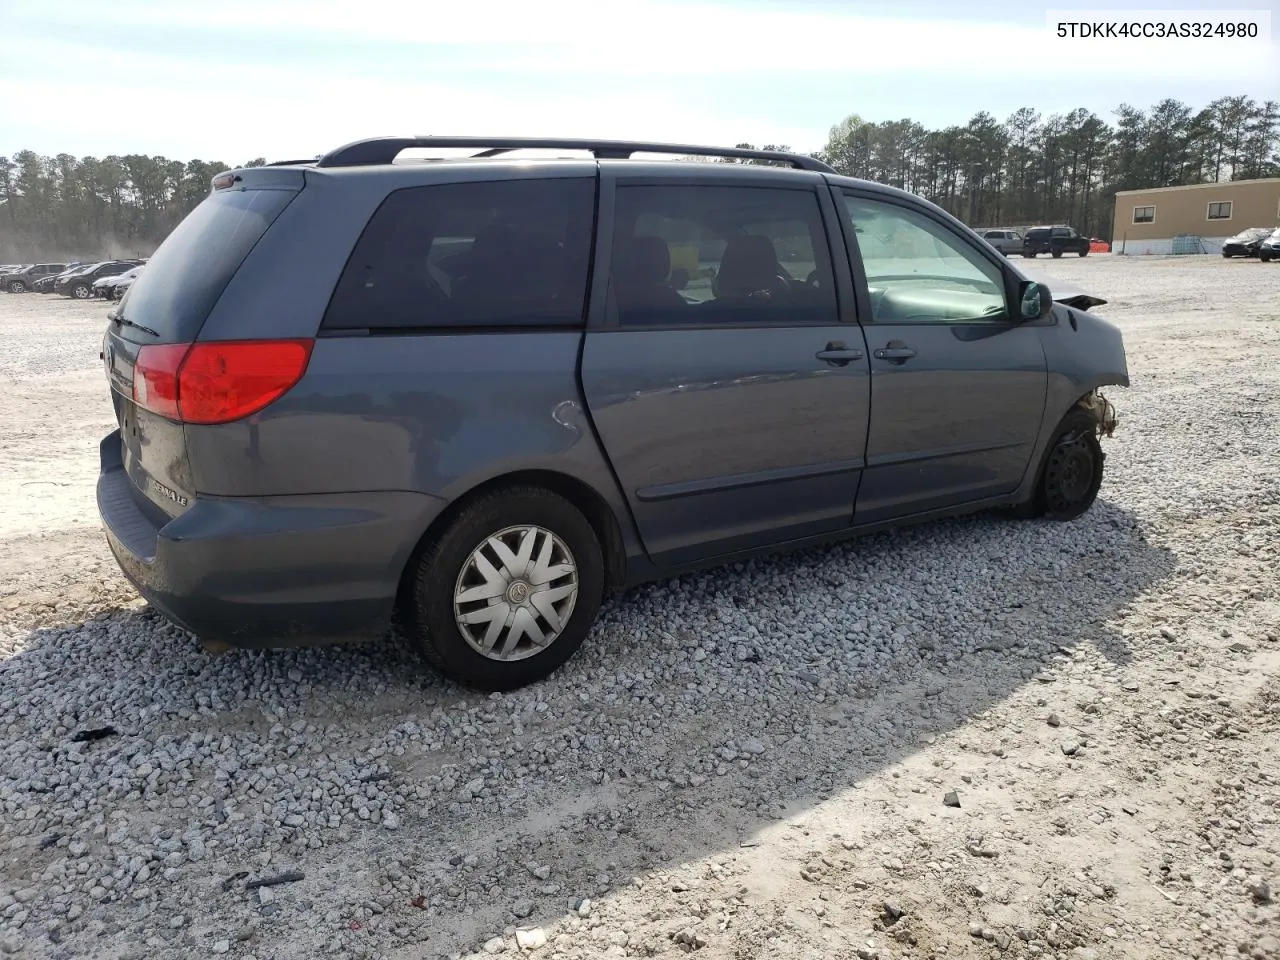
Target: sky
289, 79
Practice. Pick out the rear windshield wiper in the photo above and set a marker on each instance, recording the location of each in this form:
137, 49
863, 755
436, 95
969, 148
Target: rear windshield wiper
116, 318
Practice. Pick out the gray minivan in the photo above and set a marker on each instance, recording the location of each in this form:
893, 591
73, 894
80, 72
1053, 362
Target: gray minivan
478, 394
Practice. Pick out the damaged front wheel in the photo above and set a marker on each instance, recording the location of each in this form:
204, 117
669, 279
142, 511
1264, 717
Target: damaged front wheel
1072, 473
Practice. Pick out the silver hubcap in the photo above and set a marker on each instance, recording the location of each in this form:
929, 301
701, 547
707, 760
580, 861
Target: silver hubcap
515, 593
82, 293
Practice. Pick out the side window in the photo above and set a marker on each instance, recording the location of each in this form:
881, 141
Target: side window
918, 271
693, 255
494, 253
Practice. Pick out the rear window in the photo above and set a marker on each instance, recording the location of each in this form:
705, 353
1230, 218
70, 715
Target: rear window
493, 253
189, 271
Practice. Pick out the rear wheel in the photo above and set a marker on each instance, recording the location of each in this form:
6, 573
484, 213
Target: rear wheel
508, 592
1264, 257
1084, 252
1072, 473
1057, 254
81, 291
1029, 254
16, 286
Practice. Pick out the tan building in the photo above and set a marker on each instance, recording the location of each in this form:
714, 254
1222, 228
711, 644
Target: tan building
1147, 221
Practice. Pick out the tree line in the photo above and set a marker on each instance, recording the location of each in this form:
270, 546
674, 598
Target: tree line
1063, 168
67, 208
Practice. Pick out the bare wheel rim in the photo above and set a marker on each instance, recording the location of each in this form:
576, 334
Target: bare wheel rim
81, 293
515, 593
1070, 474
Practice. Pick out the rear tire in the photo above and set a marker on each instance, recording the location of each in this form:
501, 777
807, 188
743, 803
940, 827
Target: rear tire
1057, 254
1084, 252
1071, 474
81, 291
1264, 257
1029, 256
16, 286
482, 553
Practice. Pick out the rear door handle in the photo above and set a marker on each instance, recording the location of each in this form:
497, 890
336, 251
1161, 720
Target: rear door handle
895, 354
837, 354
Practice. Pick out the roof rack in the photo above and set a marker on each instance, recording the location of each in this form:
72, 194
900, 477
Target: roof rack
379, 150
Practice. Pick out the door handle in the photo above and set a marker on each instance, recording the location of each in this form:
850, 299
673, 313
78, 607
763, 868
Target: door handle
895, 352
837, 354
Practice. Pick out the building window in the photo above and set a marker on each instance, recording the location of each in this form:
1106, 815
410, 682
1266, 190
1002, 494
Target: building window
1220, 211
1144, 214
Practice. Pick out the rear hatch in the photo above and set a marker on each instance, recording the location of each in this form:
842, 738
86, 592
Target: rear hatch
149, 346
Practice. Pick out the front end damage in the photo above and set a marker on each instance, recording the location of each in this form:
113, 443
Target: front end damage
1103, 411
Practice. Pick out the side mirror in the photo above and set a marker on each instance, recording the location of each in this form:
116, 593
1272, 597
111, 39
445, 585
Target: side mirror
1035, 300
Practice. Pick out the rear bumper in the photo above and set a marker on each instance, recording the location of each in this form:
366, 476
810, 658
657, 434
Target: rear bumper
270, 571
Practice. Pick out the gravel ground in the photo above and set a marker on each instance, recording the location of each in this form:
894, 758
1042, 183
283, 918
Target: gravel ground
975, 738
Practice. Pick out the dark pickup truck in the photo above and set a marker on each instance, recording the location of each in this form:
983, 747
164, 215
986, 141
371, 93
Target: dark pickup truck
1055, 240
20, 281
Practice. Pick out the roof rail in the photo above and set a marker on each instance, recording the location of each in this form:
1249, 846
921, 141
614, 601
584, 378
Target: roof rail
379, 150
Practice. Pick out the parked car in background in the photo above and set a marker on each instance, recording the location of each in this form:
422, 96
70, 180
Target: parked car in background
1006, 241
20, 281
1246, 243
1055, 241
113, 287
1269, 249
79, 284
48, 284
60, 280
585, 425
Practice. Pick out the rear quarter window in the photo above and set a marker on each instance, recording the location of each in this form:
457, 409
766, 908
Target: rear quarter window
478, 254
189, 271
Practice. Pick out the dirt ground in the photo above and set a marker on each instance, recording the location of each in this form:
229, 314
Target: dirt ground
1083, 763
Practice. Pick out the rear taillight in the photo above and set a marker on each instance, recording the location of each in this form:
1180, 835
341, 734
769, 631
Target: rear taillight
155, 378
217, 382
